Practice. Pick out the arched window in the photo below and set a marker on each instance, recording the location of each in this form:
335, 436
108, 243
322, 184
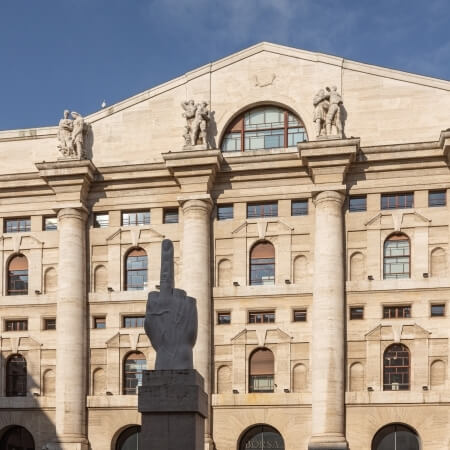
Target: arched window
396, 436
129, 439
18, 275
261, 437
262, 264
396, 367
17, 438
261, 373
136, 270
133, 366
263, 127
16, 376
397, 255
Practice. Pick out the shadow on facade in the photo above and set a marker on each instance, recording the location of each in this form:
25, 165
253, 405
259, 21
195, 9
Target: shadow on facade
27, 412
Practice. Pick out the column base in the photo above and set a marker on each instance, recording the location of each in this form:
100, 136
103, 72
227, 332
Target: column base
328, 442
209, 443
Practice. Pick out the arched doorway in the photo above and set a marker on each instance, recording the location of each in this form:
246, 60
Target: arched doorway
129, 438
17, 438
261, 437
396, 436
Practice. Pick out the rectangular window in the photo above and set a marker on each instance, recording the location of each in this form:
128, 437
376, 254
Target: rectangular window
171, 215
261, 317
17, 225
223, 318
16, 325
133, 321
262, 210
437, 198
100, 322
50, 324
224, 212
299, 208
101, 220
50, 223
397, 201
438, 310
397, 312
356, 313
300, 315
133, 218
357, 203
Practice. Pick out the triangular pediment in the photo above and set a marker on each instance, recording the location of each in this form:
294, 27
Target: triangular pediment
260, 228
397, 220
134, 235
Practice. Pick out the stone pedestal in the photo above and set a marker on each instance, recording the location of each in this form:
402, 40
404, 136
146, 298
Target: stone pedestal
327, 355
174, 407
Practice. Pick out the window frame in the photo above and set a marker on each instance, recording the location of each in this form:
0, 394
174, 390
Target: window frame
139, 271
9, 321
46, 323
301, 211
357, 197
166, 215
17, 276
223, 206
135, 317
101, 223
437, 204
298, 311
45, 225
269, 376
396, 308
237, 127
136, 222
97, 320
26, 228
13, 379
262, 313
273, 209
391, 259
397, 196
139, 373
221, 314
443, 305
388, 375
355, 317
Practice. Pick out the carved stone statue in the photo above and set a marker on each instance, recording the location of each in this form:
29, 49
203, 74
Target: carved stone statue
321, 105
197, 120
171, 319
334, 112
328, 113
71, 133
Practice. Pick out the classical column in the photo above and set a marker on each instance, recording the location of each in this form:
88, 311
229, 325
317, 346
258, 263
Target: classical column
328, 318
71, 323
196, 280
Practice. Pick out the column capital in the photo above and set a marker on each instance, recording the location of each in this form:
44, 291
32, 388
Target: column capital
70, 181
327, 161
329, 196
202, 201
76, 213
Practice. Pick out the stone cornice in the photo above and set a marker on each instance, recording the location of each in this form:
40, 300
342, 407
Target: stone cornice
69, 179
195, 171
328, 160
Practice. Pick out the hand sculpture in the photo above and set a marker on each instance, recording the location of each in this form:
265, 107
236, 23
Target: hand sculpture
171, 319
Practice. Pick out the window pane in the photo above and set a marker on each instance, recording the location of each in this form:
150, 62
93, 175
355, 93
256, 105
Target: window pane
357, 203
299, 208
223, 318
224, 212
397, 201
171, 216
356, 313
437, 310
17, 225
50, 223
262, 210
231, 142
436, 198
300, 315
133, 321
50, 324
101, 220
136, 218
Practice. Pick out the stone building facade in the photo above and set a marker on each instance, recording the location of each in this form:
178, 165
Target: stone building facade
320, 264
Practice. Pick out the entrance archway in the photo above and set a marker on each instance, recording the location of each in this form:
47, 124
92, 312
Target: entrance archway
17, 438
396, 436
261, 437
129, 439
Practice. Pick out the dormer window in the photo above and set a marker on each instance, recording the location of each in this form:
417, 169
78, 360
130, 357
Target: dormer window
264, 127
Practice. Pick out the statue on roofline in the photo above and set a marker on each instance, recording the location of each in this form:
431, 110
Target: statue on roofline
71, 136
328, 115
197, 120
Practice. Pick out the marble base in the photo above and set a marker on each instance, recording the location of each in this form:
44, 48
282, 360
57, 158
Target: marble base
174, 406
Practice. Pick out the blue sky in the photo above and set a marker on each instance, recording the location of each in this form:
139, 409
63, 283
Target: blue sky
58, 54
